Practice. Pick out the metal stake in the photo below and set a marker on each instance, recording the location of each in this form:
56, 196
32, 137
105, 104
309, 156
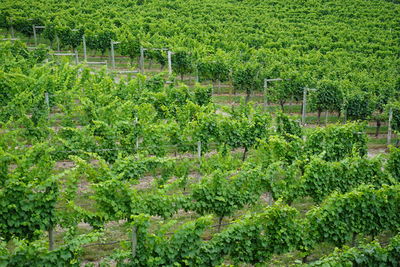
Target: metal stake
112, 53
303, 115
169, 62
389, 135
265, 94
84, 47
34, 34
134, 241
141, 61
51, 239
199, 149
46, 100
137, 137
58, 43
76, 57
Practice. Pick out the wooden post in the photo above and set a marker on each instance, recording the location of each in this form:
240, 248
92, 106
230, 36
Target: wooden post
389, 135
134, 241
84, 47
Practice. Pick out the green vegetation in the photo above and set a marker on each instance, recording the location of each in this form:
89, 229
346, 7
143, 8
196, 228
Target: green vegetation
101, 169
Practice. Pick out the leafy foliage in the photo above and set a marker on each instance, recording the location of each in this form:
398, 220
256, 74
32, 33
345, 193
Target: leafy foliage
28, 195
359, 106
370, 254
222, 195
287, 126
363, 211
256, 238
393, 163
323, 177
36, 253
337, 141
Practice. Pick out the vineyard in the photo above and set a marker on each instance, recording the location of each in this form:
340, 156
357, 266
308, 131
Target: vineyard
200, 133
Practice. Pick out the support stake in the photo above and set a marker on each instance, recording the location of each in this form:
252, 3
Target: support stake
76, 57
199, 149
34, 34
58, 43
197, 74
169, 62
389, 135
134, 241
266, 81
137, 137
84, 47
303, 115
265, 94
141, 60
112, 53
46, 100
34, 27
51, 239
